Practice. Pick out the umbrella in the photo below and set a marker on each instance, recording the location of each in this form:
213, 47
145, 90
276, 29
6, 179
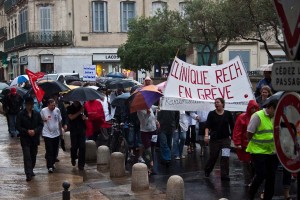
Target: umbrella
19, 80
77, 83
21, 91
119, 84
116, 75
82, 94
52, 87
144, 98
121, 99
275, 96
3, 85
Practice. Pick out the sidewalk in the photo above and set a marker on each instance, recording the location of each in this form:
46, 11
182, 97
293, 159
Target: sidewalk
87, 184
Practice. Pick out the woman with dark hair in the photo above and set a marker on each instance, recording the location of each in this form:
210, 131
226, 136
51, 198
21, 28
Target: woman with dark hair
219, 126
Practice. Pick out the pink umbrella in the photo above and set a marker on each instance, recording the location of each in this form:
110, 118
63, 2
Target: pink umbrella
161, 86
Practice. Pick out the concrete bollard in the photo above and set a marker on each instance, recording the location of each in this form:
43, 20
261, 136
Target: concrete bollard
117, 165
139, 178
67, 139
175, 188
103, 158
90, 151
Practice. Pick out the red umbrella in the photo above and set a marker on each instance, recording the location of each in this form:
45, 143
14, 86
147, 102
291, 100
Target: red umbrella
144, 98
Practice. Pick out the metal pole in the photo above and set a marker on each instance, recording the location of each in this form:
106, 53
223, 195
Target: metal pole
66, 192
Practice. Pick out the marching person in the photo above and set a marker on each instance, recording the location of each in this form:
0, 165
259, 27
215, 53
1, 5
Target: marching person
12, 105
240, 140
52, 131
29, 124
218, 124
262, 149
77, 133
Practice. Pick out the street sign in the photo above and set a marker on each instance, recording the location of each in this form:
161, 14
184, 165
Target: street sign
286, 76
289, 17
287, 131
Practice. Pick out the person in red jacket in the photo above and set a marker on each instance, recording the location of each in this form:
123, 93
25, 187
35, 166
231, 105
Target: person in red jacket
95, 118
240, 140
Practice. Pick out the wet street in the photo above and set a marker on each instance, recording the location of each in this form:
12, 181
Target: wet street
91, 184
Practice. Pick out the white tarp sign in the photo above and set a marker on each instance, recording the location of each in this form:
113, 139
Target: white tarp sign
89, 73
194, 88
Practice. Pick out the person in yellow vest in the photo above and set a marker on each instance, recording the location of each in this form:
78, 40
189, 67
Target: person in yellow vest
262, 149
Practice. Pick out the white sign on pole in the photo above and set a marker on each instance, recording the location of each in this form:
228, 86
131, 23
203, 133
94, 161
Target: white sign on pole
286, 76
89, 73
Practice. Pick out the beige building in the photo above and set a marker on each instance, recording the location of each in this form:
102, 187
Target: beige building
56, 36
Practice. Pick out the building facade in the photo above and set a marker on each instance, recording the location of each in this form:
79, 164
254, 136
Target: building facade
55, 36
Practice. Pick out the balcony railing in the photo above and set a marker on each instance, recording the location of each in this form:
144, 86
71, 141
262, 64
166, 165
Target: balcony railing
3, 34
39, 39
9, 5
1, 2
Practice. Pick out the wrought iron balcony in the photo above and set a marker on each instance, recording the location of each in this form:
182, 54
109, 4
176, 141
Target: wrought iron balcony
3, 34
9, 5
1, 2
39, 39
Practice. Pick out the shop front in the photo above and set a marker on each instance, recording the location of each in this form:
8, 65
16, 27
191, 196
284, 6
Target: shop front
23, 64
47, 63
106, 63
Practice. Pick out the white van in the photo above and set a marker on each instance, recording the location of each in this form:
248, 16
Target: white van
61, 77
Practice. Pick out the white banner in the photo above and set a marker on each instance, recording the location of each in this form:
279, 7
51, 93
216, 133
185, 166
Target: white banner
194, 88
89, 73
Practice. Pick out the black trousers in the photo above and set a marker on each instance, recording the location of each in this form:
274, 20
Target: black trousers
51, 146
78, 147
191, 136
29, 157
215, 147
265, 166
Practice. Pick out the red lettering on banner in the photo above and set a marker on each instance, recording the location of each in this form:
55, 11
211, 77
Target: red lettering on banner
175, 66
228, 73
212, 93
185, 92
218, 76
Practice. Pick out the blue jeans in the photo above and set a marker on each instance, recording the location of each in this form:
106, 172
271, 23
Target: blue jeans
178, 142
165, 145
12, 118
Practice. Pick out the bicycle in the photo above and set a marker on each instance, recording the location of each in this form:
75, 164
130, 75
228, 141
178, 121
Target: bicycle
117, 141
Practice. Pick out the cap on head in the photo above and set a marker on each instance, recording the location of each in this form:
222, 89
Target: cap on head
13, 90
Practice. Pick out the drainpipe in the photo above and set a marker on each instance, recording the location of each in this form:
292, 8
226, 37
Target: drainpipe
73, 23
144, 9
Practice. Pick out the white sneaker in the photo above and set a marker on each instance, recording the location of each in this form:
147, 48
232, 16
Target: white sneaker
182, 157
50, 170
177, 158
141, 160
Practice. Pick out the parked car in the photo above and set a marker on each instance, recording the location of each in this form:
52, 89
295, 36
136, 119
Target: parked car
62, 77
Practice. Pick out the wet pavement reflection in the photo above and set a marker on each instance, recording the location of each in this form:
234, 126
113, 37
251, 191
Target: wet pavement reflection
91, 184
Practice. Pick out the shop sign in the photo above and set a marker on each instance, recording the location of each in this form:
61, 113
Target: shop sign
47, 59
23, 60
106, 57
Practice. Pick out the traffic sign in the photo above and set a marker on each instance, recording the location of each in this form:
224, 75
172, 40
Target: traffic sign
289, 17
287, 131
286, 76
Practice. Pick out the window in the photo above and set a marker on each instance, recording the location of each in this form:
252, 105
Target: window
99, 16
156, 6
45, 19
23, 20
244, 55
127, 13
182, 8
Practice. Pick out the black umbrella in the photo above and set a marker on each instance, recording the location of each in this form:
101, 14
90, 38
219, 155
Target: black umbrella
274, 97
82, 94
119, 84
52, 87
21, 91
121, 99
116, 75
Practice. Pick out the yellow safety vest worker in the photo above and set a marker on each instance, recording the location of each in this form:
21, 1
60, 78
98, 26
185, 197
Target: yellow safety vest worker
262, 141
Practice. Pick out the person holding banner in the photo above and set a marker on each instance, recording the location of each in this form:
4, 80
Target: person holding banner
219, 126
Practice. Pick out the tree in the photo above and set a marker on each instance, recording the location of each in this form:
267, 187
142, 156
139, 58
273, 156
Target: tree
260, 22
149, 43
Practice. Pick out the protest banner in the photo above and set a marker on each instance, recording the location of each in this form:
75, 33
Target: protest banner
194, 88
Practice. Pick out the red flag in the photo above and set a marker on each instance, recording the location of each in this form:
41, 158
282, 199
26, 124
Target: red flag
33, 77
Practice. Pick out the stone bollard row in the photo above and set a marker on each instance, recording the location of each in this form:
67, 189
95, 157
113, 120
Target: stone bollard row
90, 151
175, 188
103, 158
117, 165
139, 178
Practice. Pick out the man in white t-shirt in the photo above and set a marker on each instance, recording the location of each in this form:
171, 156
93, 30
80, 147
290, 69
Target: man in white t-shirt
51, 131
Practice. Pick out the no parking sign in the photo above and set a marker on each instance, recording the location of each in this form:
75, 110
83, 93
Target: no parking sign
287, 131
